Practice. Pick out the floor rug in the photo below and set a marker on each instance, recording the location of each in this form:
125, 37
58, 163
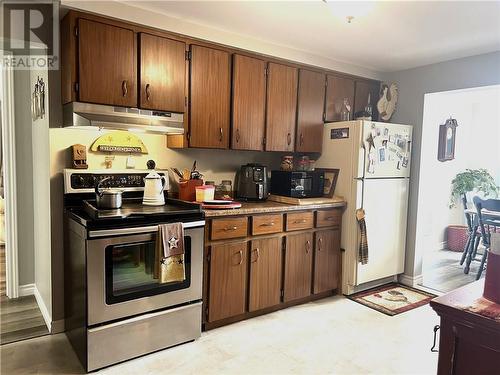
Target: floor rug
392, 299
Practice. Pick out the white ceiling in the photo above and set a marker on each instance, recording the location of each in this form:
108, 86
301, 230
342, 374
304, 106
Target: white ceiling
391, 36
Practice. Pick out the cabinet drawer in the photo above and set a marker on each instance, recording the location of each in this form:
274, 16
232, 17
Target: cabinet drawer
229, 228
299, 220
265, 224
328, 218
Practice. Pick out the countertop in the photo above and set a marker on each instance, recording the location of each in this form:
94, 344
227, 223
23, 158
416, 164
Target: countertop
250, 208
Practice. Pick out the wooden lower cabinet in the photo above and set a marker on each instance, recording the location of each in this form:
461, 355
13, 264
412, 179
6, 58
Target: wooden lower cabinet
268, 268
228, 280
298, 266
265, 273
326, 260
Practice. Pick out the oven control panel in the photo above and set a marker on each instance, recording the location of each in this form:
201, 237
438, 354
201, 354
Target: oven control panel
85, 181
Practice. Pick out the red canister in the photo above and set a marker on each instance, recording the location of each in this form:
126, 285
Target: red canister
492, 278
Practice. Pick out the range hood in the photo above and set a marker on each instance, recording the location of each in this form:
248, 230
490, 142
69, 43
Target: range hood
85, 115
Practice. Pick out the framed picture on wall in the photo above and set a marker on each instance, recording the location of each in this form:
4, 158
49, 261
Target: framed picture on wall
447, 135
331, 176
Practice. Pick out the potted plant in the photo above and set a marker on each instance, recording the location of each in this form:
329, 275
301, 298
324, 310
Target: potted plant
463, 186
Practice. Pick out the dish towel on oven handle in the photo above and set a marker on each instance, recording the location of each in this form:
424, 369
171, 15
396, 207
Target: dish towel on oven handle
169, 260
363, 242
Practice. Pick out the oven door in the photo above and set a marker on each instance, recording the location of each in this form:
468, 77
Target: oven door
121, 272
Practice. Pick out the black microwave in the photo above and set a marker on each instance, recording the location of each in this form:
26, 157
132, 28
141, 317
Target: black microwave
298, 184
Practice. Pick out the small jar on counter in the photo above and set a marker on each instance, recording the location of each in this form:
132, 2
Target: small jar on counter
224, 190
205, 193
287, 163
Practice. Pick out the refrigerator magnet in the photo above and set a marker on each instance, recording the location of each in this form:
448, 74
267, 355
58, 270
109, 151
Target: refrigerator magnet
405, 162
381, 154
371, 163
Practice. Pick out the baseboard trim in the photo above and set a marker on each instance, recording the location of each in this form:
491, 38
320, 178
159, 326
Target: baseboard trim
58, 326
44, 310
26, 290
442, 245
410, 280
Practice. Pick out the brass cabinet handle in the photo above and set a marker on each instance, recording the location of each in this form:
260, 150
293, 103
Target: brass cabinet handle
267, 224
289, 139
320, 242
237, 135
308, 246
331, 218
301, 139
148, 92
124, 88
300, 221
227, 229
221, 135
257, 252
241, 257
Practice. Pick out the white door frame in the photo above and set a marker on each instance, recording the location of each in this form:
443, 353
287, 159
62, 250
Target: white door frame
9, 162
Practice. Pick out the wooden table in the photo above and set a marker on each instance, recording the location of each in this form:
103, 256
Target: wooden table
469, 343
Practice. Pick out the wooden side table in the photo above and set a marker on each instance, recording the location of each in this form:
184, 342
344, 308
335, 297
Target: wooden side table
469, 342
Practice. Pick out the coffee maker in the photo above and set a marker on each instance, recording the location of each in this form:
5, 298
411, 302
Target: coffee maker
252, 182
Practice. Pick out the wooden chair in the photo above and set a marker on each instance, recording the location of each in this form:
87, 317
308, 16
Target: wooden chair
474, 237
490, 218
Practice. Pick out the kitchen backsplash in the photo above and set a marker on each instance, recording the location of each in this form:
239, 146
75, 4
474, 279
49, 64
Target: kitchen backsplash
215, 165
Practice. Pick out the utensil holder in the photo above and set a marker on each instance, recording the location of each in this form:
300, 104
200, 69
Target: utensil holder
187, 189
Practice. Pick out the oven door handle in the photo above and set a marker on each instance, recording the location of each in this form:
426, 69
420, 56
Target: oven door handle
139, 230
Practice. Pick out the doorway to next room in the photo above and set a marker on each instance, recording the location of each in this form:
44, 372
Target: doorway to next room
470, 168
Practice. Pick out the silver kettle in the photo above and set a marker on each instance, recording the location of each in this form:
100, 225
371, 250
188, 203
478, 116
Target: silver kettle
107, 198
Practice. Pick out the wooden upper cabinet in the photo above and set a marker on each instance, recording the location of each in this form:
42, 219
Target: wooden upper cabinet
337, 89
265, 273
210, 91
310, 110
298, 266
228, 280
281, 107
249, 103
326, 260
107, 58
365, 89
162, 73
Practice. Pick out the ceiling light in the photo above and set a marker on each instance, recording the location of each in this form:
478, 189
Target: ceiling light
349, 10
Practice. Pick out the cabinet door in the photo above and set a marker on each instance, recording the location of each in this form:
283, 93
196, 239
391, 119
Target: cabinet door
249, 103
265, 273
228, 280
210, 90
162, 73
310, 108
337, 89
107, 64
326, 260
298, 266
281, 107
367, 90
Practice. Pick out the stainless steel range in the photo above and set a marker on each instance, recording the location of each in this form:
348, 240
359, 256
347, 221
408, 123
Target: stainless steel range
115, 308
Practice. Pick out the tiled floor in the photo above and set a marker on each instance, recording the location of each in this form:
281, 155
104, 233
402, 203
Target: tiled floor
334, 335
441, 271
20, 319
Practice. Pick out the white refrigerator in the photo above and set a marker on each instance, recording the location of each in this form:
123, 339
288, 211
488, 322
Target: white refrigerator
374, 162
